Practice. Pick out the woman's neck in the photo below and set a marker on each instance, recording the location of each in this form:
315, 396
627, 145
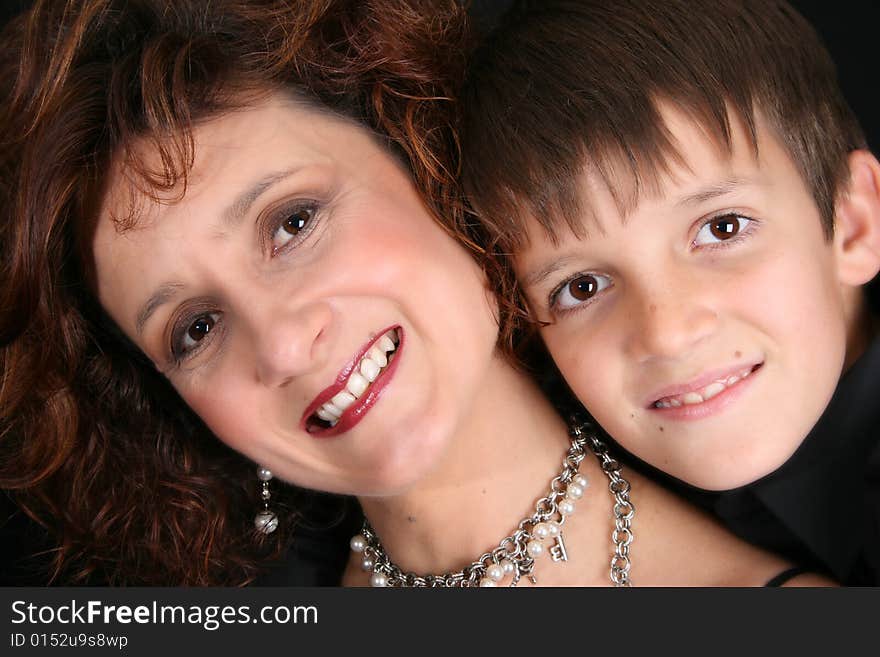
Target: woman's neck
500, 461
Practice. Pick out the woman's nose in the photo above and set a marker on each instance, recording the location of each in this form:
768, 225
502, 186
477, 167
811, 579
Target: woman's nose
290, 342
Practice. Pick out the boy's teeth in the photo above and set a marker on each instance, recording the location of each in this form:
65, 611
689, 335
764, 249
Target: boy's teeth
359, 381
699, 396
712, 389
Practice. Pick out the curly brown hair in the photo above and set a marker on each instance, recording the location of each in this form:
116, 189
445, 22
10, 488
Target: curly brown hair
95, 444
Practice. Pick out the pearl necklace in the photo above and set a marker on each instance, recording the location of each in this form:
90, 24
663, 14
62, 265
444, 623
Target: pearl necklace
515, 556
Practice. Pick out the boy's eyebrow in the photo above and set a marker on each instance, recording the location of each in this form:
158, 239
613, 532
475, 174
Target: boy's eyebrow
710, 191
538, 276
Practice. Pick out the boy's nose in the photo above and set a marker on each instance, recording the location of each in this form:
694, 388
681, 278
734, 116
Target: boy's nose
669, 324
289, 342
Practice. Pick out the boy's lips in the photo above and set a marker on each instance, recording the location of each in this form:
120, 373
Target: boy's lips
701, 389
344, 403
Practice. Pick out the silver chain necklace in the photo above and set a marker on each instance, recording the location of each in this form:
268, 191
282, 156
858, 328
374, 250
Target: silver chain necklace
515, 556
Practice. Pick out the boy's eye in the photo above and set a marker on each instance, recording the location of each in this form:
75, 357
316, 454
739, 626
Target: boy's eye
194, 333
721, 229
291, 225
578, 290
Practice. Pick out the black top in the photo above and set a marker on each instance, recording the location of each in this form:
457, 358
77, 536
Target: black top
787, 575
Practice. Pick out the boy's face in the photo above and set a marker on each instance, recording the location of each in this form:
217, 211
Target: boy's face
705, 330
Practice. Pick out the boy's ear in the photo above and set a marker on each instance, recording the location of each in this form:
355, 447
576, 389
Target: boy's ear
857, 221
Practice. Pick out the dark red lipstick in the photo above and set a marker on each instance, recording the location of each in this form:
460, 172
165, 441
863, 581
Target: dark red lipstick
350, 417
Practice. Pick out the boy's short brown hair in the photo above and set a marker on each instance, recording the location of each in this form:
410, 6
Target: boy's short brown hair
562, 84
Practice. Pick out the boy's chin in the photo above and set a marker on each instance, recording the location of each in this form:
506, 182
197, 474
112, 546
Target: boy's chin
714, 474
715, 479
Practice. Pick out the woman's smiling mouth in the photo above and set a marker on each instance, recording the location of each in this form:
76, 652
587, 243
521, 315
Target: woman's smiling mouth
342, 405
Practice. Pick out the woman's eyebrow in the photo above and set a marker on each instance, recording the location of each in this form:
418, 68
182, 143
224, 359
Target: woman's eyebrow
243, 202
161, 296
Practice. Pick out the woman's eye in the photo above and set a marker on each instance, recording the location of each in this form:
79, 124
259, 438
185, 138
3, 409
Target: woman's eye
291, 226
194, 333
579, 290
721, 229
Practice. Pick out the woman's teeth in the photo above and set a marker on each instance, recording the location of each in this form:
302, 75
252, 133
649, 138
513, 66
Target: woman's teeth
367, 371
704, 394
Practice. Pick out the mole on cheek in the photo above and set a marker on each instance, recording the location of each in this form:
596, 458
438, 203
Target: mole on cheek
737, 354
661, 428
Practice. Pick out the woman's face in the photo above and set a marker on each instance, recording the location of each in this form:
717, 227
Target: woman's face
265, 292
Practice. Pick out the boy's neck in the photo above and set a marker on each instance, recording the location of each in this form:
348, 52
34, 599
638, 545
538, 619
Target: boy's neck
863, 325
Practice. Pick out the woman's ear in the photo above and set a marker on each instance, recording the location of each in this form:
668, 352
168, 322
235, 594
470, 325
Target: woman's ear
857, 221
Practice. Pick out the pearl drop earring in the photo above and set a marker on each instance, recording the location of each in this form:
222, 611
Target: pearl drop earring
265, 521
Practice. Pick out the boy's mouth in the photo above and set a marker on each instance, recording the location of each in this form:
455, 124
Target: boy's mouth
705, 392
340, 405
